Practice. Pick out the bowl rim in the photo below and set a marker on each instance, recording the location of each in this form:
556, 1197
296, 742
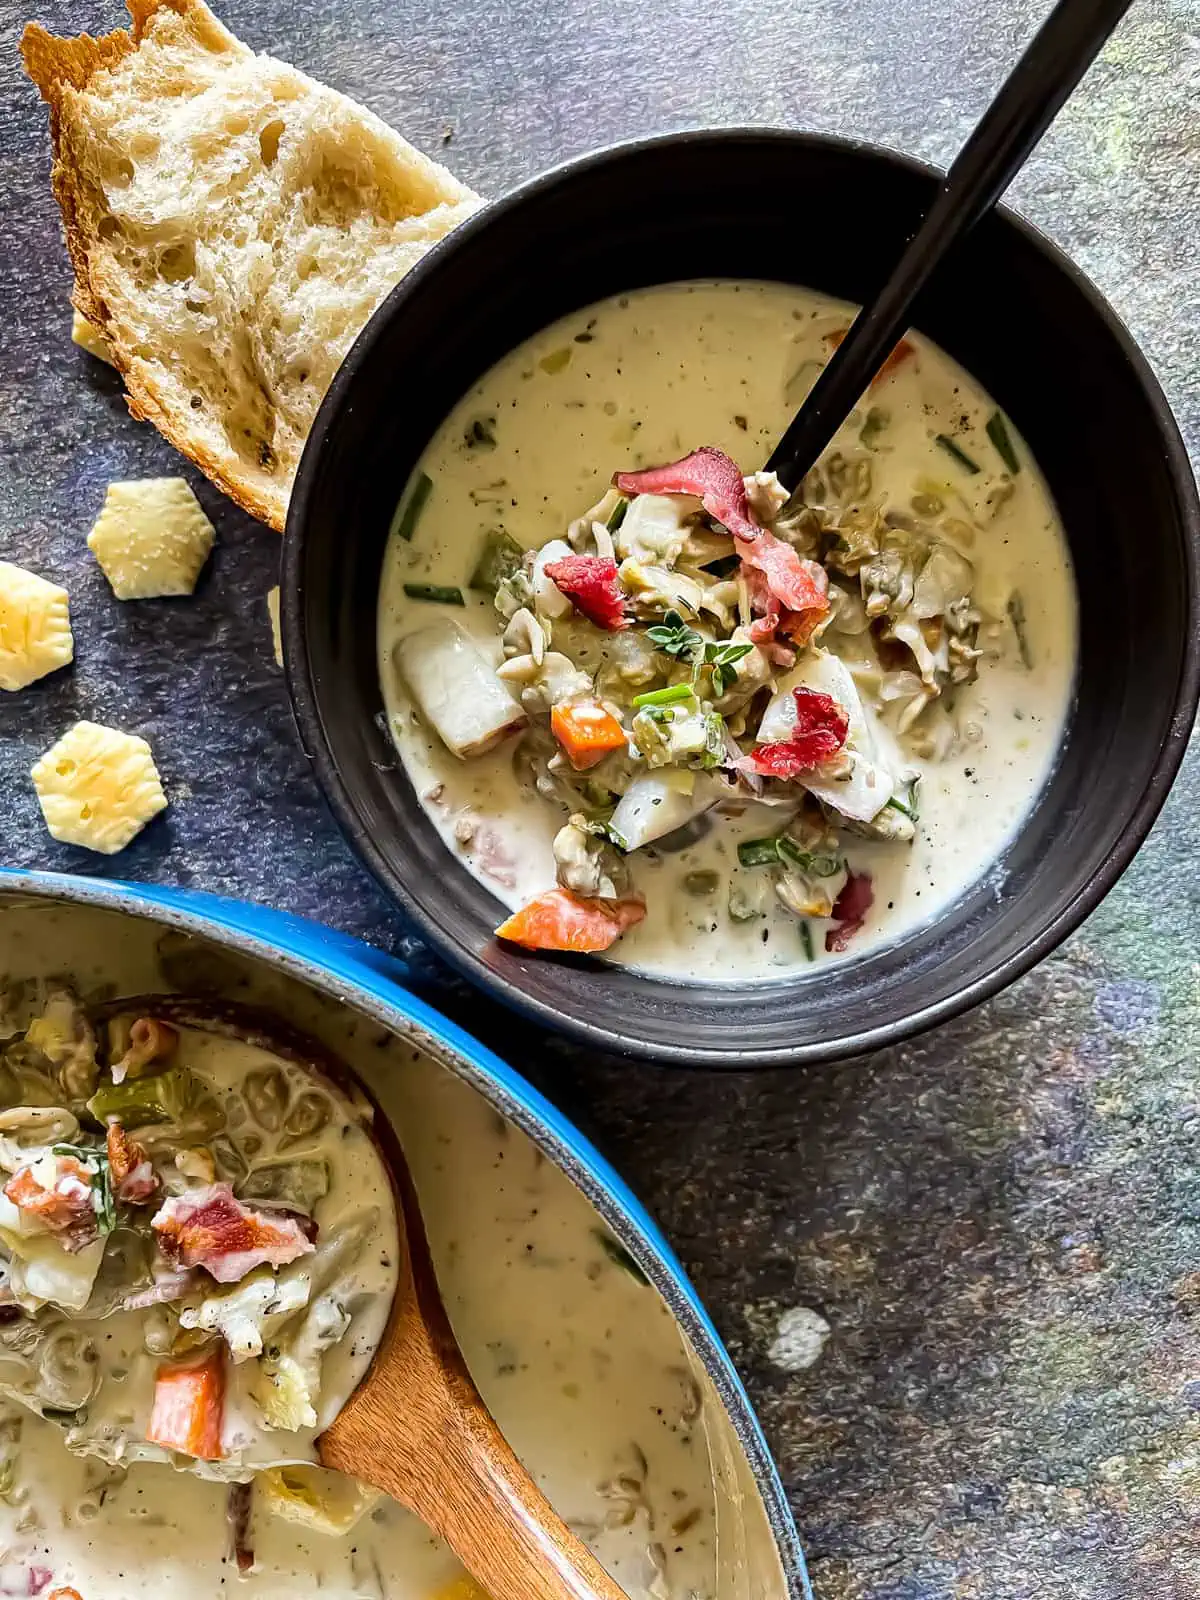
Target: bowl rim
348, 971
857, 1041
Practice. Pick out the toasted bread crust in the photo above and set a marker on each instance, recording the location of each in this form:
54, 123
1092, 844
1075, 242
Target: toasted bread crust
51, 63
64, 70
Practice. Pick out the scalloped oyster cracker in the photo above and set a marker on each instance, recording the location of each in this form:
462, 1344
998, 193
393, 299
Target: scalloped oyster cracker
98, 787
35, 627
151, 538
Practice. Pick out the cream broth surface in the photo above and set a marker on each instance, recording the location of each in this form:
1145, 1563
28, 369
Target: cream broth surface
584, 1368
643, 379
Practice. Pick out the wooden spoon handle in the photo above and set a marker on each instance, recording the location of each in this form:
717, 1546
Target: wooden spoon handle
469, 1487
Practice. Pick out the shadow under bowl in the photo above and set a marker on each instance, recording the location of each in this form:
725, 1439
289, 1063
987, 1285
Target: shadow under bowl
1013, 311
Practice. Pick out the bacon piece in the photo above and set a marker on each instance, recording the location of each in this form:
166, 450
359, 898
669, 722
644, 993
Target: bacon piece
850, 910
134, 1178
65, 1208
591, 584
820, 732
797, 584
211, 1228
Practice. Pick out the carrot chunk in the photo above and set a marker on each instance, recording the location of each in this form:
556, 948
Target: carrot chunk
587, 732
189, 1407
560, 920
900, 354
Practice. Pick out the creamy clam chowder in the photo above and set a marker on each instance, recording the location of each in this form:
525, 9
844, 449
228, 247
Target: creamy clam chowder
578, 1358
647, 698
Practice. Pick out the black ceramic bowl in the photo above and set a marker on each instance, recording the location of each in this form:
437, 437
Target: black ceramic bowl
1013, 311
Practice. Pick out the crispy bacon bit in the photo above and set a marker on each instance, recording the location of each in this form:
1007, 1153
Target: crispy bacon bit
149, 1040
134, 1178
238, 1509
211, 1228
798, 585
820, 732
65, 1207
590, 583
850, 910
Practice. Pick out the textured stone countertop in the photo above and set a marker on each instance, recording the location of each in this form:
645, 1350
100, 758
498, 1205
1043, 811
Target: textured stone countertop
998, 1225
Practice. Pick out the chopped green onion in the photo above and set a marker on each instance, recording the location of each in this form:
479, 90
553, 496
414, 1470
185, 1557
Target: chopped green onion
663, 697
499, 559
758, 852
1016, 615
815, 866
806, 939
441, 594
556, 360
617, 516
997, 432
959, 454
897, 804
421, 489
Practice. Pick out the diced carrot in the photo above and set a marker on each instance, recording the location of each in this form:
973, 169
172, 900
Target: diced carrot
587, 732
189, 1407
898, 356
64, 1594
560, 920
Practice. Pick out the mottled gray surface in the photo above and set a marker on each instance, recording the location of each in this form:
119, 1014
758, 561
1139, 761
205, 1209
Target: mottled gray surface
999, 1223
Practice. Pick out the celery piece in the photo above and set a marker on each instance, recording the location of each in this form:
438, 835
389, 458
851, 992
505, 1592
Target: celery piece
297, 1184
499, 558
137, 1101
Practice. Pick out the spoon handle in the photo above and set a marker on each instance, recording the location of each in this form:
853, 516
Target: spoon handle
1032, 95
468, 1487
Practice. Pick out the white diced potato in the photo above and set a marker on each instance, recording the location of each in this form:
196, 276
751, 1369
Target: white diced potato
456, 690
658, 803
653, 530
549, 598
859, 785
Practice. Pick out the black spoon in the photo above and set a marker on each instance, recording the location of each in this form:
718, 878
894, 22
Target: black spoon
1029, 100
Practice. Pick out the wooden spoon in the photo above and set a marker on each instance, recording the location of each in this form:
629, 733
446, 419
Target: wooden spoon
417, 1428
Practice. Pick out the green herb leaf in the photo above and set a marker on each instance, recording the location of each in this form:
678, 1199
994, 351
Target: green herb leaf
997, 432
956, 451
422, 488
675, 638
721, 658
439, 593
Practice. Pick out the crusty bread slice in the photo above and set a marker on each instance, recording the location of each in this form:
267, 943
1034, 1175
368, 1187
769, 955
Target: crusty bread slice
232, 225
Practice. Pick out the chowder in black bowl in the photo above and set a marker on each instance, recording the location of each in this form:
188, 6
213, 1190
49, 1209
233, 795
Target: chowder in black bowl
1075, 402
